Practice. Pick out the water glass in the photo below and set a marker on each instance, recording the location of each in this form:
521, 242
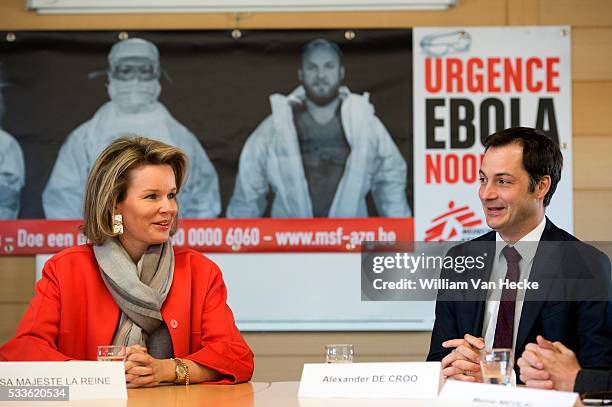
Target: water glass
111, 353
339, 353
496, 366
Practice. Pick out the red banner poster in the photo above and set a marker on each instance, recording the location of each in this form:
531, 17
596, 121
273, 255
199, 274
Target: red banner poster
26, 237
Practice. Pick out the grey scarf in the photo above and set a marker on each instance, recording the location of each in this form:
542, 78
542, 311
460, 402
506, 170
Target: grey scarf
140, 291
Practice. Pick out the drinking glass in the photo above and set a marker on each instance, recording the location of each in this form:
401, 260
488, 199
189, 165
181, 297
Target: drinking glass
496, 365
339, 353
111, 353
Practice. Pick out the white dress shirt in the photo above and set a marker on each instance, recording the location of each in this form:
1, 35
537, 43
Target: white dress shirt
498, 272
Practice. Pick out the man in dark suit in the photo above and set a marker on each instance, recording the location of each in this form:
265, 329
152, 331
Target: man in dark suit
518, 177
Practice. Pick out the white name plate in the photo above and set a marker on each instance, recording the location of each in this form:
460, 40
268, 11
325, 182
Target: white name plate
48, 381
493, 395
371, 380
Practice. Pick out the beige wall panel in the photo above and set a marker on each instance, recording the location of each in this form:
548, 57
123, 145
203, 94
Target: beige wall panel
592, 219
592, 108
592, 164
17, 276
578, 13
11, 314
287, 368
13, 16
313, 343
591, 55
280, 355
281, 368
522, 12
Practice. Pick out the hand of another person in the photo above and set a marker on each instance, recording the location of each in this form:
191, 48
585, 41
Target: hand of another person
463, 363
548, 365
143, 370
532, 371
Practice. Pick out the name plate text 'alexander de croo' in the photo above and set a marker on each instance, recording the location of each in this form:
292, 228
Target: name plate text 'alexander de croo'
371, 380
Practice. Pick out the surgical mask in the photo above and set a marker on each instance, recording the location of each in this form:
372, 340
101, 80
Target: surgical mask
133, 96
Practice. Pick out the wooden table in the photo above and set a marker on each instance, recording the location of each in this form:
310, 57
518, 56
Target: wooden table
240, 395
284, 394
257, 394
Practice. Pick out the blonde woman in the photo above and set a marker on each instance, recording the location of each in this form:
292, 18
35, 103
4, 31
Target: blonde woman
130, 287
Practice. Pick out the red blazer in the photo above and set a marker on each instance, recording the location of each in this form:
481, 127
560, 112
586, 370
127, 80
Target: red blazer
73, 312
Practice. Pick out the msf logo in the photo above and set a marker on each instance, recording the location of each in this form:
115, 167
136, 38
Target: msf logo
452, 223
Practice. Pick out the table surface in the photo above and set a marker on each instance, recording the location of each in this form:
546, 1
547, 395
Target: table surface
285, 394
240, 395
255, 394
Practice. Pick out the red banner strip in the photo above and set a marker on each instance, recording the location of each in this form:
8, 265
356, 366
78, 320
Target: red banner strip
27, 237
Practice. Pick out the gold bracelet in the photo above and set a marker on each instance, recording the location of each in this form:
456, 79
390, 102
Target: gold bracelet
186, 375
182, 372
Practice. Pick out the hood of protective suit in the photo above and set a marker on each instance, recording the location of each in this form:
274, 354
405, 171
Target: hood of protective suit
133, 47
297, 96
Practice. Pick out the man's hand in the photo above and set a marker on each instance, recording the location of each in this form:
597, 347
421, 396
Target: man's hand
463, 363
548, 365
532, 371
143, 370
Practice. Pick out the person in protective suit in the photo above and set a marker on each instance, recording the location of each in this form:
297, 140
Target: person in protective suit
321, 151
134, 88
12, 168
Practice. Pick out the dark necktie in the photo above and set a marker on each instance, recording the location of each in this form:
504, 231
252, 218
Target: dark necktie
505, 315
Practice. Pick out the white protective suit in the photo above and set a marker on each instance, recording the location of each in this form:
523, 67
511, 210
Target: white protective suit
271, 158
63, 194
12, 176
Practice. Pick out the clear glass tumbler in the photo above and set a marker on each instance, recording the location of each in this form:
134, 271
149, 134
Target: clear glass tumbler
111, 353
496, 365
339, 353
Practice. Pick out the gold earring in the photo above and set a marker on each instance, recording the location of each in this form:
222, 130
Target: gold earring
118, 224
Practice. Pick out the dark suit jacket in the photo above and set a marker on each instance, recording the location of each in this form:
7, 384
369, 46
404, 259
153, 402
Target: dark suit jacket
583, 326
596, 382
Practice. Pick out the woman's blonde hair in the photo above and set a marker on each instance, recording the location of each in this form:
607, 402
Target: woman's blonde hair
107, 182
